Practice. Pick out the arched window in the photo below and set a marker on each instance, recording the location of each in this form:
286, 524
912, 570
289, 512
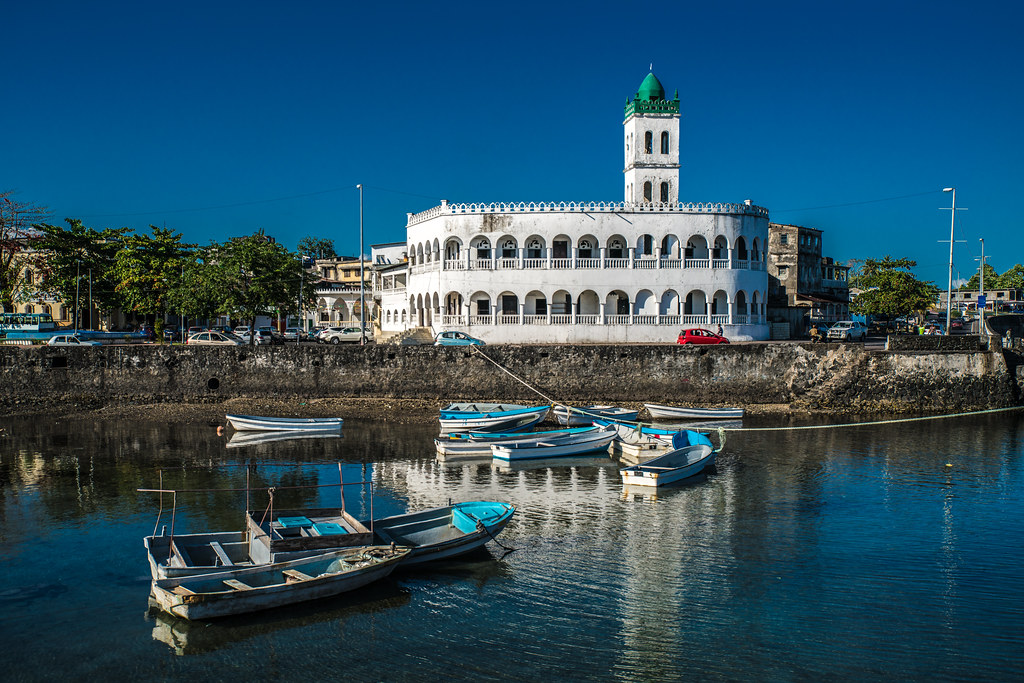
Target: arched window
533, 249
664, 143
508, 249
615, 249
586, 249
483, 249
647, 191
664, 193
649, 142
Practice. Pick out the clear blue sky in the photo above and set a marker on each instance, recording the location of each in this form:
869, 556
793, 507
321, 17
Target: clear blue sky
218, 118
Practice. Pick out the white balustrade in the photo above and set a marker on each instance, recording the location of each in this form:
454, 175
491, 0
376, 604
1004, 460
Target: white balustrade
645, 320
616, 320
669, 319
616, 263
697, 263
480, 320
720, 263
508, 319
588, 263
535, 263
645, 263
561, 319
587, 319
695, 319
671, 263
535, 320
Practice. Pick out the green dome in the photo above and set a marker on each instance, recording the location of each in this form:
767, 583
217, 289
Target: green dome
650, 89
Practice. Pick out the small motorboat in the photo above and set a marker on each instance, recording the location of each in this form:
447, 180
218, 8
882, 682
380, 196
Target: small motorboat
250, 589
693, 453
282, 424
590, 442
676, 412
490, 417
571, 416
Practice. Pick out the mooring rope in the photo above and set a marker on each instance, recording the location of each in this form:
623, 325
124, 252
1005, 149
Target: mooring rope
723, 430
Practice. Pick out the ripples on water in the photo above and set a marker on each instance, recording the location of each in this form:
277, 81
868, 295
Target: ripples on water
867, 553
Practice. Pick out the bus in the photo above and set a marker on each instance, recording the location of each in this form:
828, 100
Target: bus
26, 322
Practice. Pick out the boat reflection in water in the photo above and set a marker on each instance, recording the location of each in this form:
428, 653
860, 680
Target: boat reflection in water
601, 460
239, 439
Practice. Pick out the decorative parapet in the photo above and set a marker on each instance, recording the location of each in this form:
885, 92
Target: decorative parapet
638, 106
446, 209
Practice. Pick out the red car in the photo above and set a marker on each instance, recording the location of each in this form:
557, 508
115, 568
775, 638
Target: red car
700, 336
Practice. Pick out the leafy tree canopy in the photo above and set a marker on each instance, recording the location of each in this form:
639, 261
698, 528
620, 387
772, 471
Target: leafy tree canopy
75, 252
991, 280
891, 290
148, 268
1011, 279
316, 247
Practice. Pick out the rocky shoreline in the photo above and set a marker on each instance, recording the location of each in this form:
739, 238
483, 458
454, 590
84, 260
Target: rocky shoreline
399, 411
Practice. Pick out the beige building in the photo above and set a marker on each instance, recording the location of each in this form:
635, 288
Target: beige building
803, 285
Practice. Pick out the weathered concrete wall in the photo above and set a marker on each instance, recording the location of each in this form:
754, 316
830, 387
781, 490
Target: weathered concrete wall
830, 377
936, 342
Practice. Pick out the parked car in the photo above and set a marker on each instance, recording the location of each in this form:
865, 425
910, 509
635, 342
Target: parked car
847, 330
294, 334
169, 334
453, 338
338, 335
211, 339
956, 325
275, 336
69, 340
261, 339
241, 330
194, 330
698, 335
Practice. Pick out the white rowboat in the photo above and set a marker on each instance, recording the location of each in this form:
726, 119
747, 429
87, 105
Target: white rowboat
571, 416
674, 466
282, 424
598, 441
676, 412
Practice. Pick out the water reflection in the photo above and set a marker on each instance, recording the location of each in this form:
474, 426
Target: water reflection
836, 553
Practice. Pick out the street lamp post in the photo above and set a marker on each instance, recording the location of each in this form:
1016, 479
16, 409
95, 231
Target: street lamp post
952, 223
981, 288
362, 280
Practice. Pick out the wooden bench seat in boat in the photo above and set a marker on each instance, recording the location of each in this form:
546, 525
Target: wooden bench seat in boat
237, 585
221, 554
296, 575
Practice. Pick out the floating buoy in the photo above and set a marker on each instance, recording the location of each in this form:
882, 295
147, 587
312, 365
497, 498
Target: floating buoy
220, 431
949, 464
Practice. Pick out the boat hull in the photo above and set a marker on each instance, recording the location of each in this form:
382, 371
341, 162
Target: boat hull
586, 415
674, 466
479, 445
675, 412
497, 421
244, 423
253, 589
445, 532
543, 450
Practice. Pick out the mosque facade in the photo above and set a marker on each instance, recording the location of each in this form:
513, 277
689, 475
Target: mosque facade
638, 270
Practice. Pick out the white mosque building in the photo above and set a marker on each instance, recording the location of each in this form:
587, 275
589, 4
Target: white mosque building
602, 272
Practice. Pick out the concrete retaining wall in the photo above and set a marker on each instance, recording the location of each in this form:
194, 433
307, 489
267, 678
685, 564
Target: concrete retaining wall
840, 377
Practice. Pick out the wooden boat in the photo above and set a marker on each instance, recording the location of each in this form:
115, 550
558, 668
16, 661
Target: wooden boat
538, 450
640, 434
250, 589
444, 532
570, 416
478, 444
490, 417
687, 460
292, 534
279, 424
676, 412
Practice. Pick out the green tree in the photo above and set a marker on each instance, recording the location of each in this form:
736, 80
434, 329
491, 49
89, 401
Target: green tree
1011, 279
257, 277
75, 255
16, 247
316, 247
891, 290
199, 290
992, 280
147, 269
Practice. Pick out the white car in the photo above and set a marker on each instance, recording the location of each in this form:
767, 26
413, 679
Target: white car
261, 339
69, 340
337, 335
847, 330
211, 339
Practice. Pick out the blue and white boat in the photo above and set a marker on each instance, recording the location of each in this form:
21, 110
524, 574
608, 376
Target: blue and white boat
490, 417
692, 453
592, 442
478, 444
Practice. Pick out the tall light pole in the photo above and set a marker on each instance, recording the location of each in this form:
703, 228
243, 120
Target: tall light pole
952, 223
981, 288
362, 299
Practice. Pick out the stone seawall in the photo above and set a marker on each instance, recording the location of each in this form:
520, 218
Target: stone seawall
832, 377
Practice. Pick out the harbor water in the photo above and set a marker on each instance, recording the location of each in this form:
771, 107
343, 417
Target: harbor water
885, 552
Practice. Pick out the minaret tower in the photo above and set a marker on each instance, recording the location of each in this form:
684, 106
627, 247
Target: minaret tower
651, 132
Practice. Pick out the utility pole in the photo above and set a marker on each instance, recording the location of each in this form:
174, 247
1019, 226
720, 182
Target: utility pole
90, 299
362, 281
78, 278
952, 224
981, 291
302, 311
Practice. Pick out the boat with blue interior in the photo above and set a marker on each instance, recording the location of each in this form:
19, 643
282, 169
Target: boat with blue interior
490, 417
